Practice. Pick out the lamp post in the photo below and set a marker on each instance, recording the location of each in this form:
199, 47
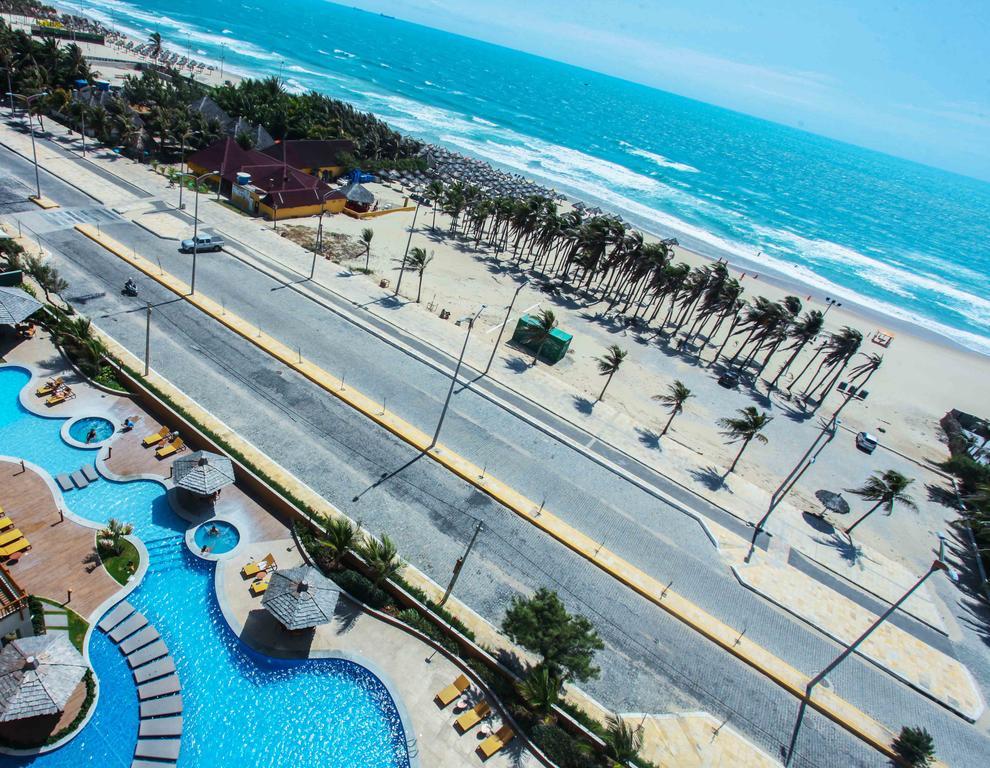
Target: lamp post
938, 564
460, 564
831, 303
195, 248
182, 163
34, 150
402, 267
470, 319
147, 341
505, 322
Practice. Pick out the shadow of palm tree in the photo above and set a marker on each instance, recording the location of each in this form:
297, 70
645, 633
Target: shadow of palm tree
346, 613
649, 437
710, 477
583, 405
517, 364
849, 550
511, 661
941, 495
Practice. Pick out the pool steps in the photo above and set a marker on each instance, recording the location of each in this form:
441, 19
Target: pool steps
78, 479
158, 687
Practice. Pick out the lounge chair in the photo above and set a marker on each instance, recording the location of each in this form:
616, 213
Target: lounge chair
172, 448
60, 397
20, 545
259, 587
8, 536
472, 717
160, 435
49, 387
253, 569
495, 742
5, 522
452, 691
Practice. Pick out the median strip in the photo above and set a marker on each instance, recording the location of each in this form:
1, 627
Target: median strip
755, 656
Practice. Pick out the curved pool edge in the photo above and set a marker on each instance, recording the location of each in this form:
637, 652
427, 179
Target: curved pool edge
190, 538
408, 731
66, 430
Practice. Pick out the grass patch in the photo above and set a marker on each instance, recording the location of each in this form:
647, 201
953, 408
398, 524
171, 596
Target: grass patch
121, 566
77, 624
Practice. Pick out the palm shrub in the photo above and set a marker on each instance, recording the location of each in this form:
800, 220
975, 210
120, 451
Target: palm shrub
609, 364
111, 538
885, 489
339, 538
540, 689
622, 741
367, 235
915, 747
745, 428
382, 558
673, 400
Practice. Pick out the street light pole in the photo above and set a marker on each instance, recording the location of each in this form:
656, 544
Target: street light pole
195, 248
34, 148
147, 342
402, 267
453, 379
319, 232
938, 564
460, 564
505, 322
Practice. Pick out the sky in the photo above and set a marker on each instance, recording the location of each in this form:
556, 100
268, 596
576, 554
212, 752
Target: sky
907, 77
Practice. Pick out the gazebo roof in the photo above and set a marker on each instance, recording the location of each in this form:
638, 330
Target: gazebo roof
301, 598
203, 472
16, 306
357, 193
38, 675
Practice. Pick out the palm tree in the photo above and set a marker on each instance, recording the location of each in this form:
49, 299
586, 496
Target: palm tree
155, 39
417, 260
339, 538
884, 489
435, 192
381, 556
111, 538
747, 427
539, 333
622, 741
367, 235
803, 332
540, 689
609, 364
673, 400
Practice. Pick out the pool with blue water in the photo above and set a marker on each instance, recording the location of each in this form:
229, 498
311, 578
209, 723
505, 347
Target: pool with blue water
93, 430
217, 536
241, 708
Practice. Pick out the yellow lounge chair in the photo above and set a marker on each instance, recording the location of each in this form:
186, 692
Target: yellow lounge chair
253, 569
49, 387
167, 450
5, 522
473, 716
452, 691
259, 587
150, 440
8, 536
18, 546
60, 397
495, 742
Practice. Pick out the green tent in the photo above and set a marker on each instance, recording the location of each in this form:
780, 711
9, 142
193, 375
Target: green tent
554, 348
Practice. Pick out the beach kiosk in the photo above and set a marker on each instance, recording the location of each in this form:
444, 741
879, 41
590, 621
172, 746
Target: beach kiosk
554, 348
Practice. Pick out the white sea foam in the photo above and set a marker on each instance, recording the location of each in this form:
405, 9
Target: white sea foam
482, 121
662, 161
344, 54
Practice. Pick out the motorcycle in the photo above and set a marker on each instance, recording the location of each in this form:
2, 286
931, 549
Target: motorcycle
130, 288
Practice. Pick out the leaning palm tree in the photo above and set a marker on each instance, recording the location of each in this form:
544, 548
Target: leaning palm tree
434, 191
747, 427
155, 38
540, 689
418, 260
622, 741
673, 400
609, 364
885, 489
111, 538
538, 334
367, 235
339, 538
381, 556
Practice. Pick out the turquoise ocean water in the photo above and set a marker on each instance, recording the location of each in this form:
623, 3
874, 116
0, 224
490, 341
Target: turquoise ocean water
898, 237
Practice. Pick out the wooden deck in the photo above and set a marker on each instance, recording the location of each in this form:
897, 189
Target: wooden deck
63, 553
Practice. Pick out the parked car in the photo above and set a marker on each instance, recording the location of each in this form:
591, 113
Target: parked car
866, 442
729, 379
202, 244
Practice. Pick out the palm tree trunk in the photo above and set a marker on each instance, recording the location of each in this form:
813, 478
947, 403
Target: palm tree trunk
419, 288
367, 257
786, 365
607, 382
669, 422
807, 365
738, 456
873, 509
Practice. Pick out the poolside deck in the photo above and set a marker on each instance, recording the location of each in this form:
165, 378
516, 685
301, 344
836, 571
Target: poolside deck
63, 552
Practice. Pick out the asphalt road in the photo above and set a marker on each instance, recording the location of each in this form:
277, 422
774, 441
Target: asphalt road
652, 662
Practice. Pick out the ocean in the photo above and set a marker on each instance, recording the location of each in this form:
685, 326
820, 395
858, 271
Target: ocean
901, 238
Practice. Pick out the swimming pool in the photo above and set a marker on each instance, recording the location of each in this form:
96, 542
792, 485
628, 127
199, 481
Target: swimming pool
101, 429
241, 708
219, 535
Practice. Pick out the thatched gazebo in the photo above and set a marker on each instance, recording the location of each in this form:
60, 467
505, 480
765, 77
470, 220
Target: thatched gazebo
301, 598
203, 473
16, 306
38, 676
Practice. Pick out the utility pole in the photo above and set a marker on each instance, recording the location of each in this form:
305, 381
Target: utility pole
453, 379
505, 322
402, 267
460, 564
147, 341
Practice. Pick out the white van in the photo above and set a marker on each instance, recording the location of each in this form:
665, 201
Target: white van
866, 442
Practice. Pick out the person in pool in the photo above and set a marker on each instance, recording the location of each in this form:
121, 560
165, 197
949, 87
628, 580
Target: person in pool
91, 435
214, 531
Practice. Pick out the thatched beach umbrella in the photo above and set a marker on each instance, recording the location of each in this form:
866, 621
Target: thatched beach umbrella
833, 502
301, 598
203, 472
16, 306
38, 675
